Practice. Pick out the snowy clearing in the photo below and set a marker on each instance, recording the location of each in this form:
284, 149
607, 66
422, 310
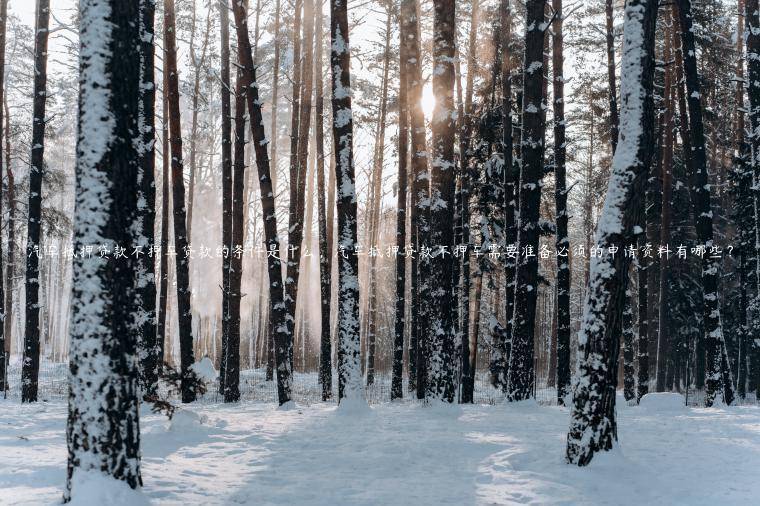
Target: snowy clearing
254, 453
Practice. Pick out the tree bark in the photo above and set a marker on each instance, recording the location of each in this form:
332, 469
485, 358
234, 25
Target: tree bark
103, 432
276, 293
349, 359
511, 182
226, 89
184, 309
521, 373
379, 160
232, 352
611, 79
628, 334
663, 343
163, 295
718, 375
560, 197
397, 390
410, 35
294, 219
752, 20
31, 365
146, 317
5, 308
325, 248
441, 383
592, 426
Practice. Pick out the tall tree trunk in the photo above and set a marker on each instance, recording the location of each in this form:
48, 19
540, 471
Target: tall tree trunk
226, 185
10, 270
376, 204
163, 295
592, 426
276, 291
511, 181
461, 265
5, 309
560, 197
325, 248
521, 373
31, 366
663, 343
752, 14
442, 335
611, 80
294, 219
409, 28
718, 375
397, 390
232, 352
146, 318
181, 244
103, 432
628, 334
349, 359
298, 164
275, 91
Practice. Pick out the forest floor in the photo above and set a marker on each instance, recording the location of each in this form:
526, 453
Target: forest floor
403, 453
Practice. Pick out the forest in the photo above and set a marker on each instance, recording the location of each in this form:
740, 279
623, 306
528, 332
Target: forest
349, 251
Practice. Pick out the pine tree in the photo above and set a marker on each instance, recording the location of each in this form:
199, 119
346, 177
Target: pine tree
146, 317
441, 383
278, 309
5, 307
752, 19
718, 375
163, 294
349, 359
611, 78
226, 185
511, 193
560, 197
397, 391
593, 426
409, 30
11, 259
521, 373
231, 357
377, 187
31, 366
299, 144
184, 309
325, 247
103, 431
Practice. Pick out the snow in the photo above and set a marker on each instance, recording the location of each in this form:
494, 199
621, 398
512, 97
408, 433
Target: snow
93, 487
663, 402
204, 369
397, 453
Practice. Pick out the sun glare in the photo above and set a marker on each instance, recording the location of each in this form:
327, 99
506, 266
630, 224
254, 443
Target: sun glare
428, 101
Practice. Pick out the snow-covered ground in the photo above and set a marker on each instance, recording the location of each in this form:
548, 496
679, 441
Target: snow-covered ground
254, 453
